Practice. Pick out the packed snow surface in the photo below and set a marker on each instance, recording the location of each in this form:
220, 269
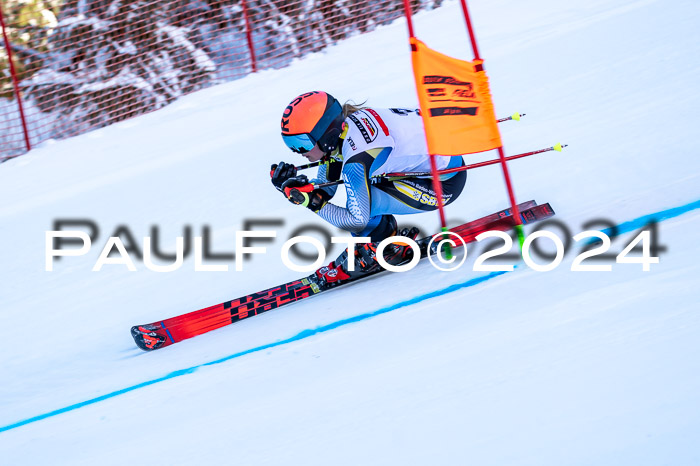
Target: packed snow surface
526, 367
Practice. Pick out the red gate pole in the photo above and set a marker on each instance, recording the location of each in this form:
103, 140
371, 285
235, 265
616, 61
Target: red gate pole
437, 184
409, 20
15, 82
501, 152
249, 36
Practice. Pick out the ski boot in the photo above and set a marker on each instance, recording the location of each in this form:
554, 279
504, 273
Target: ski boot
365, 260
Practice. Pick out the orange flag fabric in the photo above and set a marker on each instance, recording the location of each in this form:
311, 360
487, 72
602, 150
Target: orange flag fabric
455, 103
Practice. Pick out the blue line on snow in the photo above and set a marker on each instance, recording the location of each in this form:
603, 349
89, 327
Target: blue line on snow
640, 222
300, 336
622, 228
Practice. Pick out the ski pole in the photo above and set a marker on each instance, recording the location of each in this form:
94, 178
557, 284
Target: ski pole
515, 117
309, 165
557, 147
397, 176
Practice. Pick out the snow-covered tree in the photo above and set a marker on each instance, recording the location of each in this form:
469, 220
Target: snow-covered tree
85, 64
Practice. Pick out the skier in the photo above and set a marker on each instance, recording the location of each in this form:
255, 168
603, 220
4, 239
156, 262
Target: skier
357, 143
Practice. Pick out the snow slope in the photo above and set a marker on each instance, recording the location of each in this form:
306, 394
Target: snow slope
518, 368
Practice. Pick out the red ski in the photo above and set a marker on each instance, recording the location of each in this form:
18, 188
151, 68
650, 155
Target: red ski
166, 332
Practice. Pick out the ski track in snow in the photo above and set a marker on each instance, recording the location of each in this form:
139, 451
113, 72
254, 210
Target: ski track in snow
529, 368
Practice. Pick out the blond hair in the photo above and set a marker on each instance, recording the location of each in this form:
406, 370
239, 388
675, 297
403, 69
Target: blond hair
351, 107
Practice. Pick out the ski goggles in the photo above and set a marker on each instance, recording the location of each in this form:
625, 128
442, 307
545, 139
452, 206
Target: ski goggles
299, 143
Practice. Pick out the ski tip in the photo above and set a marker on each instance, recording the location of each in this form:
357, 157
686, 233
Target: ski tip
146, 338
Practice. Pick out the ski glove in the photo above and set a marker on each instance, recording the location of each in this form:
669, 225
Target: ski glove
282, 172
299, 191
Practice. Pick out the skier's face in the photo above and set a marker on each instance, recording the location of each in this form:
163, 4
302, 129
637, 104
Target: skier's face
314, 155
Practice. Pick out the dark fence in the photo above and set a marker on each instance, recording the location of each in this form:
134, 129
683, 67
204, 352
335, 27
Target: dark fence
84, 64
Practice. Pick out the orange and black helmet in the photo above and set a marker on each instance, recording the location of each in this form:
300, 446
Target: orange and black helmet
312, 118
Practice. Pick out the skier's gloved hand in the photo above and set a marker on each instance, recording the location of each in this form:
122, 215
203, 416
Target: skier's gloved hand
299, 191
282, 172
